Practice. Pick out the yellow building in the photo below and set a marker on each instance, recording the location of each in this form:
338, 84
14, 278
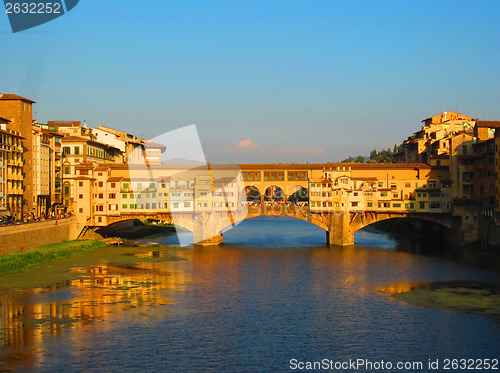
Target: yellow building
19, 111
432, 139
11, 173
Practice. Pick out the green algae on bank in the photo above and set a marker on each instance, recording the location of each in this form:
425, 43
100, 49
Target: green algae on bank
60, 271
459, 296
23, 260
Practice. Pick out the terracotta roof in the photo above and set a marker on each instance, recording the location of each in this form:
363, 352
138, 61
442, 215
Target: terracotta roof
85, 165
5, 119
65, 123
488, 123
326, 166
114, 179
74, 138
151, 144
11, 96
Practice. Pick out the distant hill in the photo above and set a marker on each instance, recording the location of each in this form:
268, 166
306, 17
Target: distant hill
178, 160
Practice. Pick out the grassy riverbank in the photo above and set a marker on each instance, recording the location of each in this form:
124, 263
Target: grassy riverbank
23, 260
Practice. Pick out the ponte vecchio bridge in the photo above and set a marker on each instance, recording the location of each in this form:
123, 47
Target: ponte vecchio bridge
206, 200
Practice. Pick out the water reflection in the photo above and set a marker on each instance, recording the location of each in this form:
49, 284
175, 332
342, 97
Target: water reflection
30, 315
273, 291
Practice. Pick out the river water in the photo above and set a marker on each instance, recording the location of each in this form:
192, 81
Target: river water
271, 297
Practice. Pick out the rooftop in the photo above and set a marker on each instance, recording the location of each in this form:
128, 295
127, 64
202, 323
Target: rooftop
11, 96
488, 123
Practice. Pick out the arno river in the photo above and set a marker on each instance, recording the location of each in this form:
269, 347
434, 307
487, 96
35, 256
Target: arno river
272, 297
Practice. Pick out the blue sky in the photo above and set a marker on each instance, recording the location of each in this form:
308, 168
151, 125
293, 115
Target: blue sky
264, 81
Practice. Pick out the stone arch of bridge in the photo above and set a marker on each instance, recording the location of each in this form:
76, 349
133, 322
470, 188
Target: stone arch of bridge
360, 221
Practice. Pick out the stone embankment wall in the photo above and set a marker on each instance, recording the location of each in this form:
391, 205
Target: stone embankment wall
15, 237
489, 232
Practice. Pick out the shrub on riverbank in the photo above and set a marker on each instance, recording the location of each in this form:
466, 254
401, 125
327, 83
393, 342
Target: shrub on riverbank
23, 260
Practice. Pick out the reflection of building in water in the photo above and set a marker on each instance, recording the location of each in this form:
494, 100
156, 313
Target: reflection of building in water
100, 291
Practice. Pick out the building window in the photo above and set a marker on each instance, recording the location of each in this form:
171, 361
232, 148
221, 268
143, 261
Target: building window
124, 206
66, 190
66, 150
112, 195
80, 196
66, 170
77, 150
124, 195
80, 211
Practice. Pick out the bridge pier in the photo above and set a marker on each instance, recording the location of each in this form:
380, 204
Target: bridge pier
206, 229
340, 232
212, 241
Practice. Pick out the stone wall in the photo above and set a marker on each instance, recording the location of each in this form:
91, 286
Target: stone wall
489, 232
14, 237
